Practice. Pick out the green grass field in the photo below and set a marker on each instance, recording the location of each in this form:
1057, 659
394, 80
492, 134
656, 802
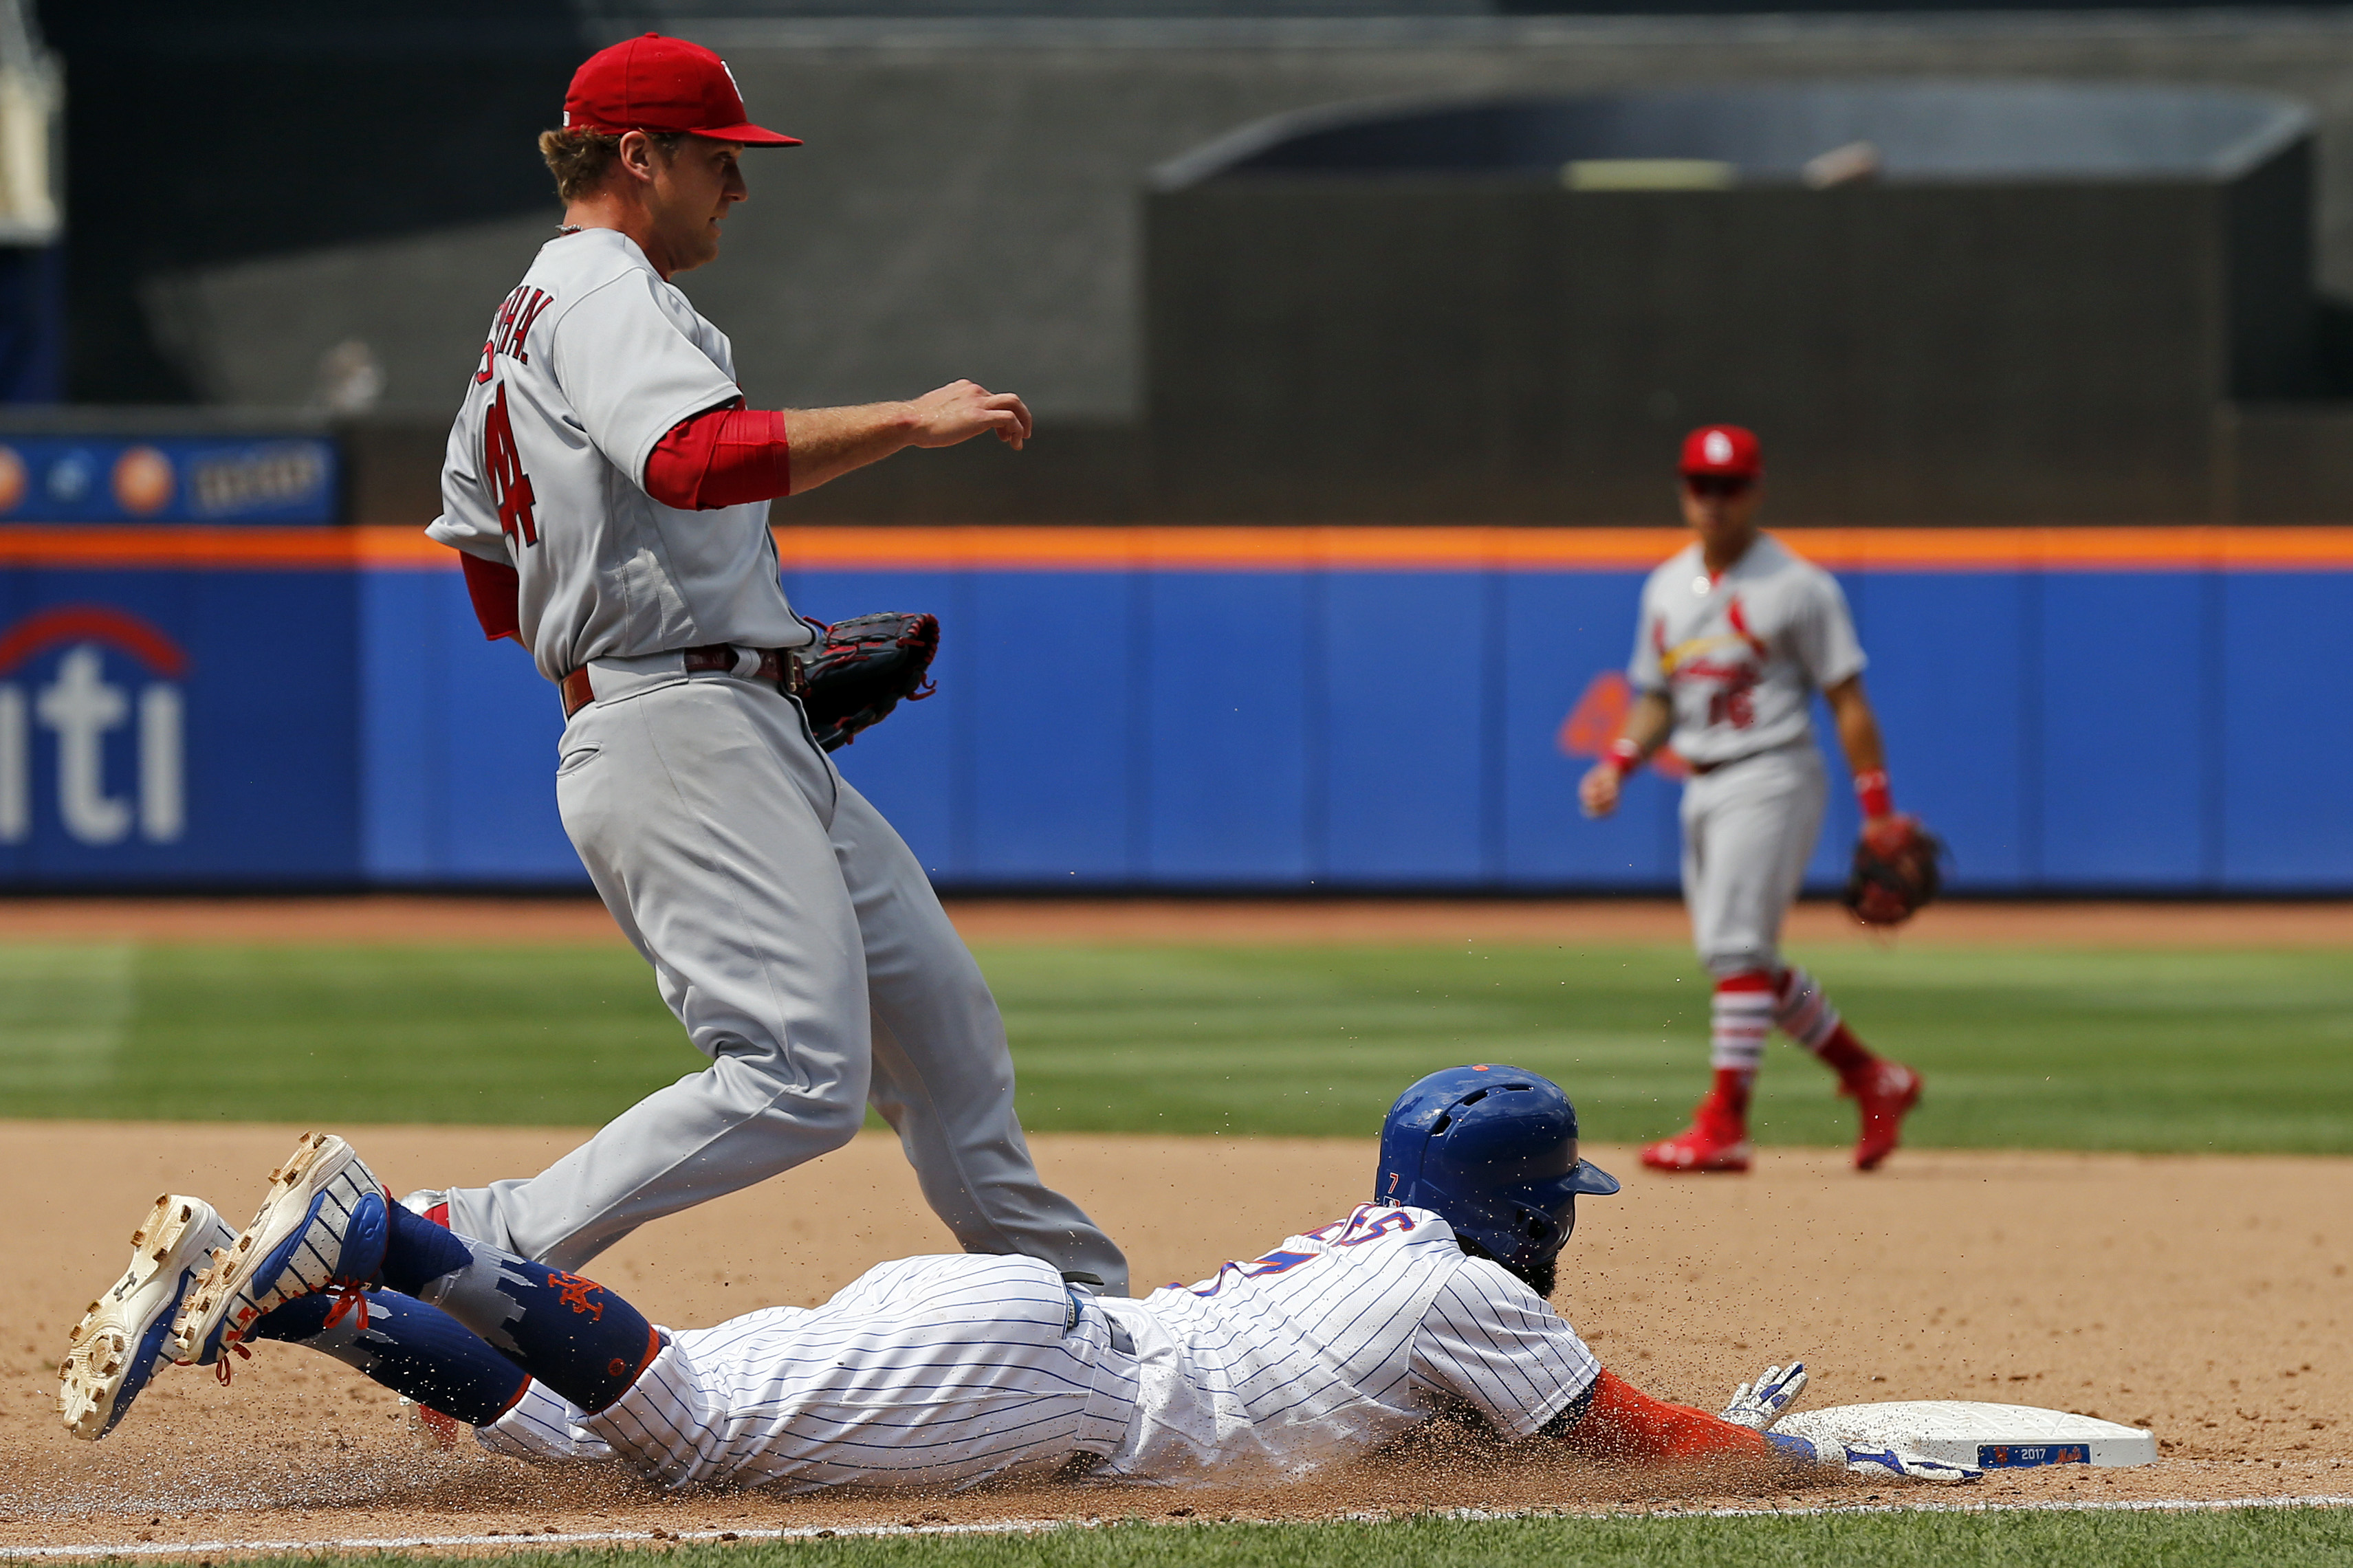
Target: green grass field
2241, 1538
2114, 1050
2119, 1049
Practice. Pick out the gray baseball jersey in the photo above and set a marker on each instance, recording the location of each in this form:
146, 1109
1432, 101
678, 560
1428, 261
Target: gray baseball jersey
944, 1372
1741, 655
591, 361
792, 931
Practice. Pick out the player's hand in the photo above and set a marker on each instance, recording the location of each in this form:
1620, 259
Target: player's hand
963, 409
1815, 1454
1882, 1463
1596, 793
1756, 1405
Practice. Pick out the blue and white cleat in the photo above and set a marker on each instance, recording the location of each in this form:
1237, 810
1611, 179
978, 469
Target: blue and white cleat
323, 1227
124, 1338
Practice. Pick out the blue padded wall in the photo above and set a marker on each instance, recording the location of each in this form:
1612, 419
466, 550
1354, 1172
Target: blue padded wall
1226, 697
2156, 730
2124, 712
2285, 737
1404, 732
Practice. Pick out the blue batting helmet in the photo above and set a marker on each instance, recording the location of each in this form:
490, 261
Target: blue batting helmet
1492, 1151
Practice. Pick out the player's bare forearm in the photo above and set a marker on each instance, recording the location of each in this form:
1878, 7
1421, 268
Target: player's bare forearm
1646, 730
827, 443
1648, 721
1858, 727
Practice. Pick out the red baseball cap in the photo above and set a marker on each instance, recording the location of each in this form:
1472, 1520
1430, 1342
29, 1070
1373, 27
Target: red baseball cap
653, 83
1722, 451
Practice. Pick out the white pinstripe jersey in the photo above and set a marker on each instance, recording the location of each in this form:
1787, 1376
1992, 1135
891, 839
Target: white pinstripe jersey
940, 1372
1336, 1342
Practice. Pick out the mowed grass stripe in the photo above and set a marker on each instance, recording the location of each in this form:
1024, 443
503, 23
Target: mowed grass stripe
2126, 1049
2239, 1538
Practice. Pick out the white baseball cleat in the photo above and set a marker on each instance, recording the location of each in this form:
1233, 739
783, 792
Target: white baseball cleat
323, 1227
125, 1337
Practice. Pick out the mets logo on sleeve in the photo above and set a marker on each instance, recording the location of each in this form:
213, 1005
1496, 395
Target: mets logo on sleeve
103, 688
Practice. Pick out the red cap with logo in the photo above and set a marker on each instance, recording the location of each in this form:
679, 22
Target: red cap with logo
1722, 451
654, 83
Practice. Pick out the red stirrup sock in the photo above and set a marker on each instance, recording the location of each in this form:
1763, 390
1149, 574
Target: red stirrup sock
1806, 1016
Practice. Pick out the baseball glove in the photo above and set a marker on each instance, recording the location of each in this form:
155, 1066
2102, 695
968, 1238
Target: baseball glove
862, 669
1896, 871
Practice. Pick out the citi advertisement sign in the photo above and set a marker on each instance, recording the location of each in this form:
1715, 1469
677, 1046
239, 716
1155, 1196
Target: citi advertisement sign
97, 694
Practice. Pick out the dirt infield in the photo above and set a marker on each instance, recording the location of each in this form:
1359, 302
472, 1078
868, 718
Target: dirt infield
2205, 1297
402, 917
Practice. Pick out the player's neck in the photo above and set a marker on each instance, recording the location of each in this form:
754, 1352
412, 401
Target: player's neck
603, 210
1722, 555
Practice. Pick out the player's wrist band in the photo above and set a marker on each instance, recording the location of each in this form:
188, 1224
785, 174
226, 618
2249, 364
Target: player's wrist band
1623, 755
1870, 791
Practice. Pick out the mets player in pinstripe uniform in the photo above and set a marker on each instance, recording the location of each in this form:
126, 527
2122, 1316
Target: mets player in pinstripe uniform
939, 1373
1737, 635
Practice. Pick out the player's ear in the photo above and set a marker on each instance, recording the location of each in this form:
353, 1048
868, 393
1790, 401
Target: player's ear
636, 155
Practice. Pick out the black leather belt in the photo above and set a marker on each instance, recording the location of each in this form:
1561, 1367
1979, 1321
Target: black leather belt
777, 666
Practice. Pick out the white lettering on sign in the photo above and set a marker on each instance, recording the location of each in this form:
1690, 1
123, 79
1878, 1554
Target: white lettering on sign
163, 813
15, 769
266, 476
81, 708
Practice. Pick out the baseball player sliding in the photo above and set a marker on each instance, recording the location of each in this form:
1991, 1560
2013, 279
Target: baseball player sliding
608, 490
1736, 636
938, 1373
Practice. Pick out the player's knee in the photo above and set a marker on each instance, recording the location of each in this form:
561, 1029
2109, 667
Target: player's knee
831, 1121
1725, 962
825, 1109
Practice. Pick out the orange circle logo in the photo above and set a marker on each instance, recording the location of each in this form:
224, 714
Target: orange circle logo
143, 480
12, 479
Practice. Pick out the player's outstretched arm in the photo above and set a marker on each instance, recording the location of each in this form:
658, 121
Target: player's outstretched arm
1620, 1424
1646, 730
827, 443
730, 455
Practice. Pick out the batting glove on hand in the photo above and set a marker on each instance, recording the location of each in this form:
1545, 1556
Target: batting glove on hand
1756, 1405
1880, 1463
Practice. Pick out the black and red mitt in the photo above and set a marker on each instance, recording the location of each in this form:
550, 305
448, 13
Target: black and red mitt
1896, 873
862, 669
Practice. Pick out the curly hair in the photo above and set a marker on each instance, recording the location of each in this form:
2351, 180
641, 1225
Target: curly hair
581, 159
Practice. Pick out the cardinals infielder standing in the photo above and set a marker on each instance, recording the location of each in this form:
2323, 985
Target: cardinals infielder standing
610, 492
1736, 636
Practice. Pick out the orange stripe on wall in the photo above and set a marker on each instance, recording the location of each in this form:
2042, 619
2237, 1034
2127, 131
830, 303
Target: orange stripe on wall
1554, 548
1171, 549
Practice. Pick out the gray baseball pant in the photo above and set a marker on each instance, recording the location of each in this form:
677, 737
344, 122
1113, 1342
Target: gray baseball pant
1749, 828
797, 938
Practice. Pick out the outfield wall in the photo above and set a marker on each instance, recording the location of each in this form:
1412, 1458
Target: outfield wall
2076, 709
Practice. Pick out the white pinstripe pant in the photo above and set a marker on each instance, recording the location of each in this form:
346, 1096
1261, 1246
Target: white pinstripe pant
928, 1373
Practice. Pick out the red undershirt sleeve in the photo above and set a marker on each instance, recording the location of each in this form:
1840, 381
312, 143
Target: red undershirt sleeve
721, 456
497, 593
1622, 1423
